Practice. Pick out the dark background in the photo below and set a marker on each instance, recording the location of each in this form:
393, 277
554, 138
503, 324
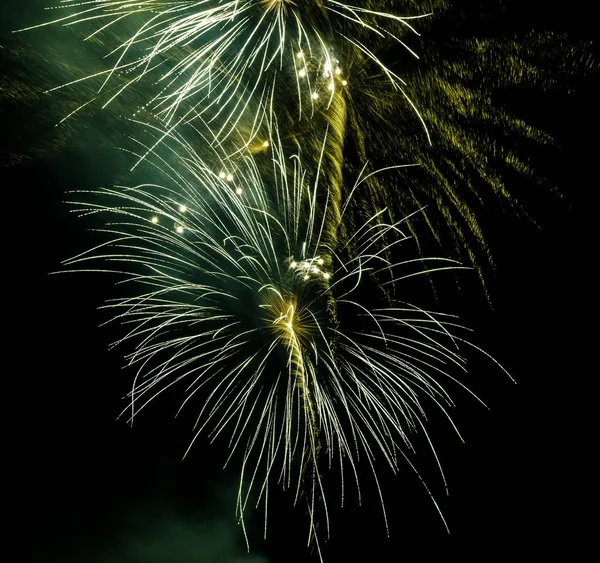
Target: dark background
81, 486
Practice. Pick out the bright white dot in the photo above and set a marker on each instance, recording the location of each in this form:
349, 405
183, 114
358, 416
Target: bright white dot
306, 277
239, 191
330, 86
344, 82
320, 261
154, 220
294, 264
182, 208
327, 67
266, 144
179, 229
221, 174
300, 55
326, 276
338, 70
289, 325
229, 177
315, 95
302, 72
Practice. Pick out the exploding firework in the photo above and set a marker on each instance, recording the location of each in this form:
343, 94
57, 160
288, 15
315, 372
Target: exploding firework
227, 60
242, 295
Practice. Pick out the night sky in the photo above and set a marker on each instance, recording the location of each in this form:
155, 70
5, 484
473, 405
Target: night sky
82, 486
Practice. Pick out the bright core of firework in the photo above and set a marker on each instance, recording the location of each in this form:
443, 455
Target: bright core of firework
310, 266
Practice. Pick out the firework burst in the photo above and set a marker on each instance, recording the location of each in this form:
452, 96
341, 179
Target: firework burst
227, 60
241, 295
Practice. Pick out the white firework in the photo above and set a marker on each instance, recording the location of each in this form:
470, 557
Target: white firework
228, 60
245, 294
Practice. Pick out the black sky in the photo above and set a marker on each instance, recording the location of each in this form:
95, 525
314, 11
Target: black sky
80, 486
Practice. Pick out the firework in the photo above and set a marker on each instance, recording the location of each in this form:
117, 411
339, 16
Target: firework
226, 60
241, 295
264, 269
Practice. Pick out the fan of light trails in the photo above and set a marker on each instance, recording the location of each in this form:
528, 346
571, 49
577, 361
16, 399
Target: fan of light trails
222, 57
239, 297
